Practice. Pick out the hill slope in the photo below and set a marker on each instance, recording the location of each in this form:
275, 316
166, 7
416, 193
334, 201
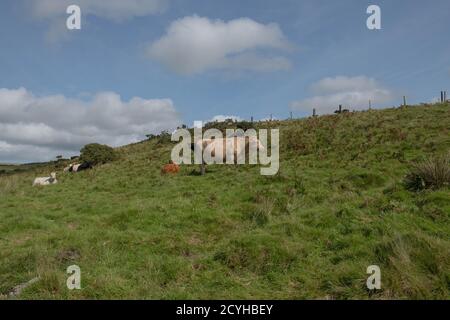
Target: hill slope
337, 206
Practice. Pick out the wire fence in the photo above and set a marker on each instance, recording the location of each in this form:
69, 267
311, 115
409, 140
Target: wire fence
341, 109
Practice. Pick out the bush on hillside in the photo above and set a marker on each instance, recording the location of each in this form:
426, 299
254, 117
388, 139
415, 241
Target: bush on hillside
97, 154
432, 173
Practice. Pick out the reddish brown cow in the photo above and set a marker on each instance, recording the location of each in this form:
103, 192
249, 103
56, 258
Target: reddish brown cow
170, 168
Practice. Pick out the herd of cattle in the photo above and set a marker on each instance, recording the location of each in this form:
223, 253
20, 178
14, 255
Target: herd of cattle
170, 168
215, 145
73, 167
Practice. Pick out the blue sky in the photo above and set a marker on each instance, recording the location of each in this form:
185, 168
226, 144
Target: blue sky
275, 56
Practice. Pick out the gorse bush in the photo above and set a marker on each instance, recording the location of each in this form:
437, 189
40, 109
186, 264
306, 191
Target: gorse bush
432, 173
95, 153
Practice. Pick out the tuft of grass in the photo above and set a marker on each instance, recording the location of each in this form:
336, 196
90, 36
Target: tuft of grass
256, 254
262, 211
418, 261
8, 184
433, 173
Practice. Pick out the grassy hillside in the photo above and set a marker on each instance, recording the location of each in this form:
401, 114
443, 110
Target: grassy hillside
17, 168
337, 206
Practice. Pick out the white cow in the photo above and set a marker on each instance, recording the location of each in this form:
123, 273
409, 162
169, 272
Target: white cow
45, 181
219, 147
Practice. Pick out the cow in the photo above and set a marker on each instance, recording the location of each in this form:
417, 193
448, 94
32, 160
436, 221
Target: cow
78, 167
220, 145
170, 168
45, 181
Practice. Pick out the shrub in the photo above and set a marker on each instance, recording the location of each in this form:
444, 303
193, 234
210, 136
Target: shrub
432, 173
97, 154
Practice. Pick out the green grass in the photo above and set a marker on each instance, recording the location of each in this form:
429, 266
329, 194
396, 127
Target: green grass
337, 206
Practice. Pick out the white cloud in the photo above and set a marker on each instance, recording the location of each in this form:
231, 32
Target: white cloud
351, 92
52, 125
54, 12
116, 10
195, 44
25, 153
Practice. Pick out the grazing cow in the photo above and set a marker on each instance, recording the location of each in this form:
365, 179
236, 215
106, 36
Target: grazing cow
220, 145
78, 167
170, 168
45, 181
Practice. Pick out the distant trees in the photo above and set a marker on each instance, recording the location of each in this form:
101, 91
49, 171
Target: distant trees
163, 137
229, 124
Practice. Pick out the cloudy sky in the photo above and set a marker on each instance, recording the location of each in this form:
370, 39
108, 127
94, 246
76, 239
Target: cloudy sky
142, 66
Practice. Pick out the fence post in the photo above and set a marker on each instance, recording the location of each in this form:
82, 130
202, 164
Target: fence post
314, 112
445, 96
370, 105
442, 96
404, 101
251, 119
291, 115
340, 108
